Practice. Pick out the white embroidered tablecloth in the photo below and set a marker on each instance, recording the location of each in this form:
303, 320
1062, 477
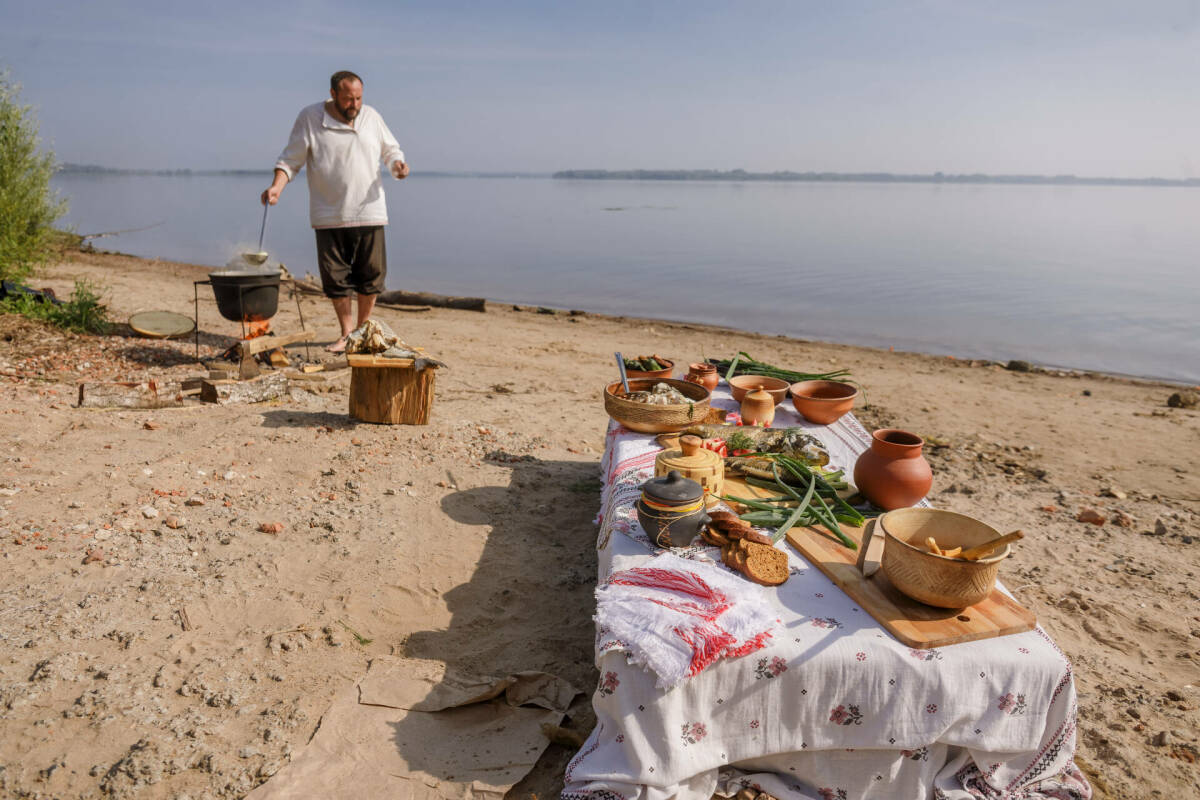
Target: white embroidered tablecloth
833, 708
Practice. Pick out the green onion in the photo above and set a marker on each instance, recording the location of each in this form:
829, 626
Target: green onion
744, 364
729, 373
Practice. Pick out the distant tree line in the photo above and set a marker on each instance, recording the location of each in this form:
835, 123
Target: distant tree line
856, 177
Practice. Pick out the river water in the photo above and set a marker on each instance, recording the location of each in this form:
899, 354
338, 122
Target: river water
1095, 277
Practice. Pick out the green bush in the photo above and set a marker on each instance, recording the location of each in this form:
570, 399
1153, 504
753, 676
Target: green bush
28, 208
83, 313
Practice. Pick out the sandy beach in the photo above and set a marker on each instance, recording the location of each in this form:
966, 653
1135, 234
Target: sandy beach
191, 654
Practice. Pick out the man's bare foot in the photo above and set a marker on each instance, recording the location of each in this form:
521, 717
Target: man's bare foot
337, 347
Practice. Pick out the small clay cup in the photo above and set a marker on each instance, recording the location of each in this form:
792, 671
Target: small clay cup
741, 385
823, 402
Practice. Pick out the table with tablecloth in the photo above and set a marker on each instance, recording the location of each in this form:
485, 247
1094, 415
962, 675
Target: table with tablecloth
831, 707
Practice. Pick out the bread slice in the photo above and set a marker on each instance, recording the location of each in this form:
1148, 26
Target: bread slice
723, 516
739, 558
715, 536
763, 563
760, 538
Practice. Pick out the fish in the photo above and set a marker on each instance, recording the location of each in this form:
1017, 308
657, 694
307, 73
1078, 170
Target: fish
795, 443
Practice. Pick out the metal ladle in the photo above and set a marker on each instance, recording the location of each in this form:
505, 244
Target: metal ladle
261, 256
621, 369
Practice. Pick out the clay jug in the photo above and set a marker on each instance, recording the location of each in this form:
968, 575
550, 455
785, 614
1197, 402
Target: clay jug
893, 473
704, 374
758, 408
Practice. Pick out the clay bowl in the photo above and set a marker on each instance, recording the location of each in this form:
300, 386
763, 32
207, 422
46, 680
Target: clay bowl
665, 372
646, 418
742, 385
937, 580
823, 402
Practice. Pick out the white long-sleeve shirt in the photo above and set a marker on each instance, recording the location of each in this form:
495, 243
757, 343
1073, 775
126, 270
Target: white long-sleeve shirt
345, 188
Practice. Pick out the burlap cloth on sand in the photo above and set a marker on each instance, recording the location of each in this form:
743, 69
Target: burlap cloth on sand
415, 729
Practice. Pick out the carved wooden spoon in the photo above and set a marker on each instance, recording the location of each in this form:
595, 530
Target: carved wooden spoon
983, 550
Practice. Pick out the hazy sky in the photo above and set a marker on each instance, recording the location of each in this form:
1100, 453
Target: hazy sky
1090, 88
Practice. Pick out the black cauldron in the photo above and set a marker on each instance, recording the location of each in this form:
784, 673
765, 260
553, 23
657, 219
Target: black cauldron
246, 295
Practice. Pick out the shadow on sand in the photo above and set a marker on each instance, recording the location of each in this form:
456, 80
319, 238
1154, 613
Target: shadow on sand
530, 602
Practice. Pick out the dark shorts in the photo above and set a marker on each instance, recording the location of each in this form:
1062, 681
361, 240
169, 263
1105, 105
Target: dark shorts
351, 260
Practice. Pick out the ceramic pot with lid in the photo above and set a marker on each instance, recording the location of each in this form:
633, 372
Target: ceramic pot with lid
758, 408
704, 374
693, 461
671, 510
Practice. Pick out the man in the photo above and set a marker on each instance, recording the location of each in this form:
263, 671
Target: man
342, 142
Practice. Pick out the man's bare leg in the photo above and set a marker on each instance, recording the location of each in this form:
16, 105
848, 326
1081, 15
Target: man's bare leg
341, 307
366, 304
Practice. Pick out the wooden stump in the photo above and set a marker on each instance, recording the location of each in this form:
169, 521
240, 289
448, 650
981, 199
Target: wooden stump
390, 391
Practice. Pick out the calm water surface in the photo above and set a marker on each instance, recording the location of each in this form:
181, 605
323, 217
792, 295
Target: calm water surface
1099, 278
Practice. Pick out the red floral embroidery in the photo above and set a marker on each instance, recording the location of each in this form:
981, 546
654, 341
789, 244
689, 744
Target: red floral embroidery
1012, 705
931, 708
772, 669
860, 656
753, 723
693, 732
846, 715
609, 684
832, 794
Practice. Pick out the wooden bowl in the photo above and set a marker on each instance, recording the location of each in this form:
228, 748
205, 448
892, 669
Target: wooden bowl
665, 372
937, 580
823, 402
742, 385
646, 418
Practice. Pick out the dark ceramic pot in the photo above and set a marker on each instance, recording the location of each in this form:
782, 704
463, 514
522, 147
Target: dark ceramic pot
671, 510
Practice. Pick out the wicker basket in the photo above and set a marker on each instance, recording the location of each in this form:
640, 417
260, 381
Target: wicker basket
937, 580
692, 461
646, 418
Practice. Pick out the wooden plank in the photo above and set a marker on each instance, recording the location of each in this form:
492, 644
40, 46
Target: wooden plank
147, 394
913, 623
259, 344
361, 360
267, 387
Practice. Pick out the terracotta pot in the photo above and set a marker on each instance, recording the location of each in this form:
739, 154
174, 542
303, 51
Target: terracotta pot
665, 372
704, 375
823, 402
893, 473
758, 408
742, 385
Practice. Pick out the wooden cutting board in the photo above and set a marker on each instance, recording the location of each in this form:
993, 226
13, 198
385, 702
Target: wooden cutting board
915, 624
